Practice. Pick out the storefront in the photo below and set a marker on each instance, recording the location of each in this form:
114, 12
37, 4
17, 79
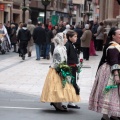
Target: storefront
5, 11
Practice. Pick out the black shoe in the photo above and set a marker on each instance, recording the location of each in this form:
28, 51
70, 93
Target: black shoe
14, 51
102, 118
64, 107
23, 57
37, 59
95, 55
58, 109
29, 54
111, 118
3, 51
75, 107
48, 57
118, 118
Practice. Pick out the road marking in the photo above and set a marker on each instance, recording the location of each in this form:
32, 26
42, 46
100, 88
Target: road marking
23, 108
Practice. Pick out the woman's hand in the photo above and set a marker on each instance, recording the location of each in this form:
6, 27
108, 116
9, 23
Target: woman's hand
3, 35
117, 79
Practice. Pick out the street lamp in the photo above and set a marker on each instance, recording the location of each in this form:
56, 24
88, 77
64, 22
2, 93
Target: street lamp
70, 11
10, 6
24, 8
45, 3
24, 11
89, 14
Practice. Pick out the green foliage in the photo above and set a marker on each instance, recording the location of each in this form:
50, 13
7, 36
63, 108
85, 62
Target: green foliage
64, 71
64, 67
26, 8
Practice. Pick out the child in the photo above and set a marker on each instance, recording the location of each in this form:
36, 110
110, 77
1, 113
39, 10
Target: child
53, 90
72, 61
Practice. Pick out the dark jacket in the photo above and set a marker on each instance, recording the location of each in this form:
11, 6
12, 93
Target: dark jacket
49, 36
13, 36
39, 35
72, 57
94, 30
79, 34
24, 35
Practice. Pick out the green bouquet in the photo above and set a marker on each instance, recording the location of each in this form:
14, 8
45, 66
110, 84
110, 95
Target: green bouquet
65, 72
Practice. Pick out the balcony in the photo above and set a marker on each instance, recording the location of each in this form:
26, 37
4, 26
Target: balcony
78, 1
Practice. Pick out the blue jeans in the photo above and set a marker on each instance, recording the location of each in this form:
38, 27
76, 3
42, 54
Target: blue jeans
38, 50
47, 49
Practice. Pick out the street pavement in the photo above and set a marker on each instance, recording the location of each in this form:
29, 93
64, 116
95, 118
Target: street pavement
21, 84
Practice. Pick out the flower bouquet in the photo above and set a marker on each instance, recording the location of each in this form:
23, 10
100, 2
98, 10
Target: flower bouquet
65, 72
79, 67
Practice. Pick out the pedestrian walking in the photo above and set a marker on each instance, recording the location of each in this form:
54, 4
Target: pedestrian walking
56, 88
94, 31
4, 39
39, 37
13, 37
23, 37
105, 94
72, 61
100, 37
85, 41
67, 29
18, 44
49, 37
31, 28
92, 51
79, 32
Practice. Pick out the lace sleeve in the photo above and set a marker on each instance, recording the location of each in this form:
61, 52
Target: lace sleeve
56, 59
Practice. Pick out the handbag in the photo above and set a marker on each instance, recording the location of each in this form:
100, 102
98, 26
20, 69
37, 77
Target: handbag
14, 39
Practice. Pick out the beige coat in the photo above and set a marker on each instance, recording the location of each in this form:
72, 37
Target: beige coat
31, 28
86, 38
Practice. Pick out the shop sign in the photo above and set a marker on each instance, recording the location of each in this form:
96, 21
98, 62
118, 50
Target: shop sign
2, 7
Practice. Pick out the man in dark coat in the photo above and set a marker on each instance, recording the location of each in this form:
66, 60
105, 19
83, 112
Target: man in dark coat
94, 31
79, 32
24, 36
49, 36
39, 37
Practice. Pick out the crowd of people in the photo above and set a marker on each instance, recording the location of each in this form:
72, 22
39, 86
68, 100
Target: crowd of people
90, 38
65, 43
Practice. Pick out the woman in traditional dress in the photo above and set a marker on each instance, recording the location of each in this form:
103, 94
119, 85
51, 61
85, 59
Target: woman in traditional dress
53, 90
105, 94
4, 39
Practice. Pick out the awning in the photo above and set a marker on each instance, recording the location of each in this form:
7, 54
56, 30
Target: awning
78, 1
6, 2
2, 7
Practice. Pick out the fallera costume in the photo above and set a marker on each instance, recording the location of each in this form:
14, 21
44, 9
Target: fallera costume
53, 90
105, 94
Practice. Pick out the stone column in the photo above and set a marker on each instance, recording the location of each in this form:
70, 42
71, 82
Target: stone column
106, 9
118, 18
21, 15
110, 8
102, 12
78, 18
1, 16
26, 15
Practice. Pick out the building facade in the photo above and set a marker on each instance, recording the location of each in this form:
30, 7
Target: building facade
56, 7
66, 10
5, 10
11, 11
110, 12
